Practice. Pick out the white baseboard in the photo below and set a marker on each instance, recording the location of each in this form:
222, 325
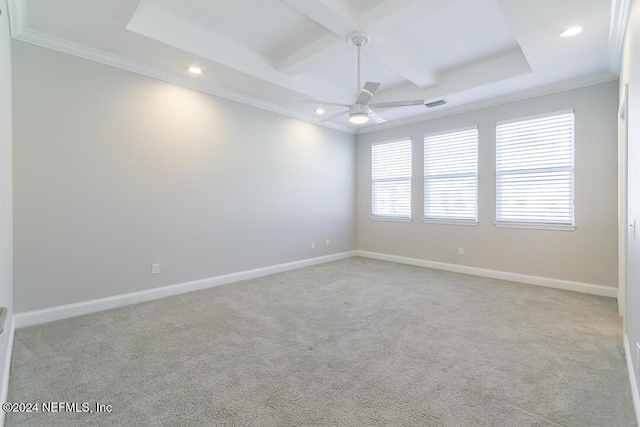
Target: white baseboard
632, 379
587, 288
9, 329
36, 317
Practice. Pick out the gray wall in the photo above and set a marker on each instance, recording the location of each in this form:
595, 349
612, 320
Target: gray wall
6, 209
114, 171
588, 254
630, 73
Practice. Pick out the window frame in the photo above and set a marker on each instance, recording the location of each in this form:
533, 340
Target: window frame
451, 221
389, 217
536, 225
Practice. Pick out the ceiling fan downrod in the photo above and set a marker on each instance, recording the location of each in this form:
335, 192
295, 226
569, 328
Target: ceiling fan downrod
359, 40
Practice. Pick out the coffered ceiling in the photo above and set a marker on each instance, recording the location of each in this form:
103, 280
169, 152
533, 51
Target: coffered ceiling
294, 56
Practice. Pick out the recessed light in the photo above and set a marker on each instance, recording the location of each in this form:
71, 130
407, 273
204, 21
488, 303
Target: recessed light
194, 70
572, 31
319, 111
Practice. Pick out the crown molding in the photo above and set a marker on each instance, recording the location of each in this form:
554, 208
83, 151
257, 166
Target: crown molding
86, 52
17, 16
20, 32
564, 86
620, 10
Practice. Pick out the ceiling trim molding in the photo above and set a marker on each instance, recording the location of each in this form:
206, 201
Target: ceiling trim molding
620, 10
82, 51
17, 16
494, 102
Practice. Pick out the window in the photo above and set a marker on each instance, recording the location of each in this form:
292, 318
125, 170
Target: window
391, 180
534, 171
451, 176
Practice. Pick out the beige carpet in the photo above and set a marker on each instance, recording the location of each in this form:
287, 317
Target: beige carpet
353, 342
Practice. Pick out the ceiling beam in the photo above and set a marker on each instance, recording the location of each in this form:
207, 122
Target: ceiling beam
391, 15
508, 64
335, 16
331, 14
400, 60
157, 24
311, 55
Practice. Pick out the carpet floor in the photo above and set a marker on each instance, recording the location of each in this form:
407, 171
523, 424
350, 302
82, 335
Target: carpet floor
353, 342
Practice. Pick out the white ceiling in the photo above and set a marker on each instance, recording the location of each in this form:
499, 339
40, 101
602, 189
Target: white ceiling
292, 56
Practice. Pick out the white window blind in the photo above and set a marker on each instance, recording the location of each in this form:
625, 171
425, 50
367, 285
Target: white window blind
451, 176
391, 179
534, 170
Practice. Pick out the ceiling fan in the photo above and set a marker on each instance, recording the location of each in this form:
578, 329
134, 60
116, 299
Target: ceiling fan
360, 112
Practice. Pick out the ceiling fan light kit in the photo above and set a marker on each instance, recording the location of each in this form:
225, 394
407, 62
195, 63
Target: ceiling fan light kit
358, 114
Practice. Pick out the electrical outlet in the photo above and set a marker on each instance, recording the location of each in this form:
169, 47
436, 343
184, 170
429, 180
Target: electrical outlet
155, 268
313, 244
327, 242
460, 250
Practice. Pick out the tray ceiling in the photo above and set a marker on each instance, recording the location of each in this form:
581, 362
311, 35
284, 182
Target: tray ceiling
293, 56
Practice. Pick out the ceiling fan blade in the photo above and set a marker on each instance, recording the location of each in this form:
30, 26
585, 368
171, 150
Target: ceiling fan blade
326, 119
304, 101
367, 92
397, 103
375, 117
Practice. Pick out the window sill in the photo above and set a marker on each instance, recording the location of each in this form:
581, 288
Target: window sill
462, 222
390, 219
535, 226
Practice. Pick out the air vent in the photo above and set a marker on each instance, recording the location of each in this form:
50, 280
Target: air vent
435, 103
